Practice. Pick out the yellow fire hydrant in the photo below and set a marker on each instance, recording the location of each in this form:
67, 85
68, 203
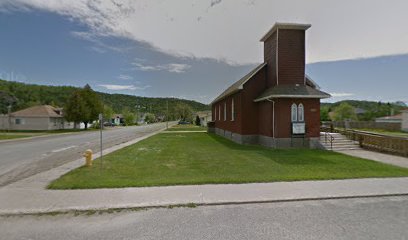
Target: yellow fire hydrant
88, 157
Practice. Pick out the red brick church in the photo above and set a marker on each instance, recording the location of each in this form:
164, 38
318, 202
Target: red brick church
276, 104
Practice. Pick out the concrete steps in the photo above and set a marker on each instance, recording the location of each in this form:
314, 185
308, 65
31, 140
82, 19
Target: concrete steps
340, 142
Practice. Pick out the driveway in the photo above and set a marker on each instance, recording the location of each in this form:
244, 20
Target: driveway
23, 158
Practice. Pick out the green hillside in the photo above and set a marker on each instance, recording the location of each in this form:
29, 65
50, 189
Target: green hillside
27, 95
367, 110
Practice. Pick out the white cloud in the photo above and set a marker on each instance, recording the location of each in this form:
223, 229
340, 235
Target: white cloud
176, 67
230, 29
122, 87
342, 94
125, 77
172, 67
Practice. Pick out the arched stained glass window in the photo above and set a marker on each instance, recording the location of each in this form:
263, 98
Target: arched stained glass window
232, 110
294, 113
301, 113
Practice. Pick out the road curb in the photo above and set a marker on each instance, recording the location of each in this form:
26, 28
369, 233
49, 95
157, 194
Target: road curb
187, 205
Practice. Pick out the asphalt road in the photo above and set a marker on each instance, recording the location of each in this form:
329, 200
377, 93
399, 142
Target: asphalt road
365, 218
24, 158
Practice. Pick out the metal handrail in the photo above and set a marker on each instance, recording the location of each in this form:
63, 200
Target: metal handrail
331, 139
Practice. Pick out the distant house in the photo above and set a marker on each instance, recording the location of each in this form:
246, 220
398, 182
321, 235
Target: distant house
117, 119
404, 125
359, 111
390, 119
276, 104
205, 117
43, 117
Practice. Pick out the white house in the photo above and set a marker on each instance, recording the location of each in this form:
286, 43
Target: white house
205, 117
43, 117
404, 125
390, 119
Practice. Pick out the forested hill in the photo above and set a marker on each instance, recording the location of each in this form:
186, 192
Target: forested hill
29, 94
365, 110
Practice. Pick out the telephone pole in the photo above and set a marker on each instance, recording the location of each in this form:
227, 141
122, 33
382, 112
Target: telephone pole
167, 115
9, 117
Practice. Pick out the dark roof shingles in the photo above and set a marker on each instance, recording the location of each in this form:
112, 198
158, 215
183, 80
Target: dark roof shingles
236, 86
289, 90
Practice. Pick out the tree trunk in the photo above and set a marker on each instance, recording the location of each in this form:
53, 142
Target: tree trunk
86, 125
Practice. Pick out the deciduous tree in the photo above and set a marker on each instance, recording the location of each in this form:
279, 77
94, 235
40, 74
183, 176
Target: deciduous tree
74, 108
184, 112
129, 117
344, 112
92, 103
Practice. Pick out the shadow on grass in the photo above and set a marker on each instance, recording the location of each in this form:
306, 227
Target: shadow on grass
289, 156
233, 145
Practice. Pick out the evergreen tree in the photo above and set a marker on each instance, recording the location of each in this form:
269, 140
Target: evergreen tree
197, 121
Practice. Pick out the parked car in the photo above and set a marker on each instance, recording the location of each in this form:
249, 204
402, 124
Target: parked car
108, 124
183, 122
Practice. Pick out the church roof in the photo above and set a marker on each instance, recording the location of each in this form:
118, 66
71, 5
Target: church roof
291, 91
238, 85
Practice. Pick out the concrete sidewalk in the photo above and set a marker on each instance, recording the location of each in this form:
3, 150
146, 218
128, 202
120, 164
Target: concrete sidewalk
378, 157
21, 200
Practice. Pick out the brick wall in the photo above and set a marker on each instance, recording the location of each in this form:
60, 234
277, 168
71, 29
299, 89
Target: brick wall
291, 56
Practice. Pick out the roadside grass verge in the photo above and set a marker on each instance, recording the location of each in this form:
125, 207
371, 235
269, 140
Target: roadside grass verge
7, 136
201, 158
16, 134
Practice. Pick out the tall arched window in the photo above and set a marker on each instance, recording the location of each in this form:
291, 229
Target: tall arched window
232, 110
294, 113
219, 112
301, 113
225, 111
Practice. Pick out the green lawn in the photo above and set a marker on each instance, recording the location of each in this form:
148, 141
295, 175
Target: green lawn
187, 127
200, 158
386, 132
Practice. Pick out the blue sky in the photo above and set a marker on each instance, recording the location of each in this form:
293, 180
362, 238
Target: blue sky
191, 49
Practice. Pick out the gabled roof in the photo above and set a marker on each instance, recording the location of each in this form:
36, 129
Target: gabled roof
311, 83
203, 113
117, 115
295, 26
38, 111
239, 84
291, 91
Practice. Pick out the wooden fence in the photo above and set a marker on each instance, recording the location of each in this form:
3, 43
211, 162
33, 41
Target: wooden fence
367, 125
377, 142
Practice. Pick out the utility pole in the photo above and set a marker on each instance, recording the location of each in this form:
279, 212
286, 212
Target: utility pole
101, 125
9, 117
167, 115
